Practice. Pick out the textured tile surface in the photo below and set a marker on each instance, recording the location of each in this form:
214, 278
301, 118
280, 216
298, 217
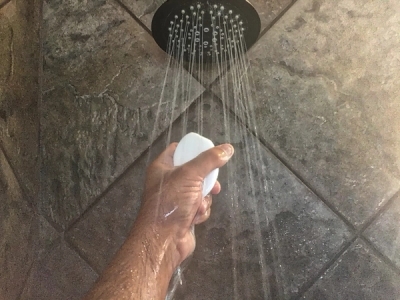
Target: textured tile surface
18, 231
327, 100
385, 232
268, 10
19, 89
102, 84
62, 274
306, 234
358, 274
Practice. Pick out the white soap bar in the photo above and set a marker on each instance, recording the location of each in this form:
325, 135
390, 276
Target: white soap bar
190, 146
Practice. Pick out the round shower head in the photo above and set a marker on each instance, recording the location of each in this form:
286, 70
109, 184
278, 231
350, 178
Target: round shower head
205, 31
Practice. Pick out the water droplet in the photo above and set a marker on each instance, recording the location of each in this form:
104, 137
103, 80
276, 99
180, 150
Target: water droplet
194, 13
171, 22
176, 17
169, 28
211, 12
191, 7
222, 8
230, 12
198, 6
241, 23
182, 11
237, 17
219, 14
215, 6
202, 12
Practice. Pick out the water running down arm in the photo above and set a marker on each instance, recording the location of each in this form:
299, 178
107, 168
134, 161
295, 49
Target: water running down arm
161, 237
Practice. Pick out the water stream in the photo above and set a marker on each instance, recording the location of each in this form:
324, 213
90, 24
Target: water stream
189, 47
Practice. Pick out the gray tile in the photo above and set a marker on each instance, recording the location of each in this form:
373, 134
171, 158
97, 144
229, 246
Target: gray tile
385, 232
305, 232
19, 90
103, 78
326, 99
358, 274
62, 274
18, 231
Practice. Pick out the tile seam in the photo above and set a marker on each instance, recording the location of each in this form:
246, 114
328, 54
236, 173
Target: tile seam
4, 4
288, 166
72, 223
133, 16
358, 235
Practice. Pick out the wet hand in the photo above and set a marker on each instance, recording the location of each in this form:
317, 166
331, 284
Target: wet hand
173, 200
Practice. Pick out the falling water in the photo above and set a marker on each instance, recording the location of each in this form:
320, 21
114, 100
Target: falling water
207, 40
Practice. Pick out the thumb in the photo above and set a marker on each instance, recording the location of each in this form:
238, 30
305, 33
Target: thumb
211, 159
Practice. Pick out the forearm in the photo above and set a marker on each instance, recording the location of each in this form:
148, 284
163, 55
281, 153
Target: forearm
140, 270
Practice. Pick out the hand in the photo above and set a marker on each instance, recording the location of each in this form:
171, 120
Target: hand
173, 200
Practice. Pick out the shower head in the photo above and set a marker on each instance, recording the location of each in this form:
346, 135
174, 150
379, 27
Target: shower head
205, 30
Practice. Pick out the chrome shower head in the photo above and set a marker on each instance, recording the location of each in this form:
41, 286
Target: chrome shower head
205, 31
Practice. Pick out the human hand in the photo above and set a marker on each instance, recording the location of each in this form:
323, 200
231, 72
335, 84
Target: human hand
173, 201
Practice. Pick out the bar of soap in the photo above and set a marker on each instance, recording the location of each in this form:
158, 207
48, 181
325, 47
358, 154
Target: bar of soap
190, 146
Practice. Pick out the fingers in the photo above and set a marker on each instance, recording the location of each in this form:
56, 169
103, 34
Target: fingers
216, 189
167, 156
211, 159
203, 213
202, 218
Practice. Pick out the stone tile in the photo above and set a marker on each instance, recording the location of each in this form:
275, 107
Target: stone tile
358, 274
101, 104
385, 232
268, 10
18, 231
306, 233
19, 89
326, 99
62, 274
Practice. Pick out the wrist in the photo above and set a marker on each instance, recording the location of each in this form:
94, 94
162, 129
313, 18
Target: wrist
162, 255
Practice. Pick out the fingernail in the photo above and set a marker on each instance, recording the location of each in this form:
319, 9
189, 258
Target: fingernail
228, 151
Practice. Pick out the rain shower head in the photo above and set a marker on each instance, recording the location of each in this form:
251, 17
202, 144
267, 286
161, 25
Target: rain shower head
205, 30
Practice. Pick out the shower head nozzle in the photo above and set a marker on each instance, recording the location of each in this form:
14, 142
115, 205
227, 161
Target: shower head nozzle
205, 31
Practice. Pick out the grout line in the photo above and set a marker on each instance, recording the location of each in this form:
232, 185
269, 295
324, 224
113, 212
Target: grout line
25, 195
141, 24
69, 243
262, 33
359, 234
127, 169
277, 18
380, 255
293, 171
4, 4
37, 262
380, 211
24, 285
67, 238
324, 269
